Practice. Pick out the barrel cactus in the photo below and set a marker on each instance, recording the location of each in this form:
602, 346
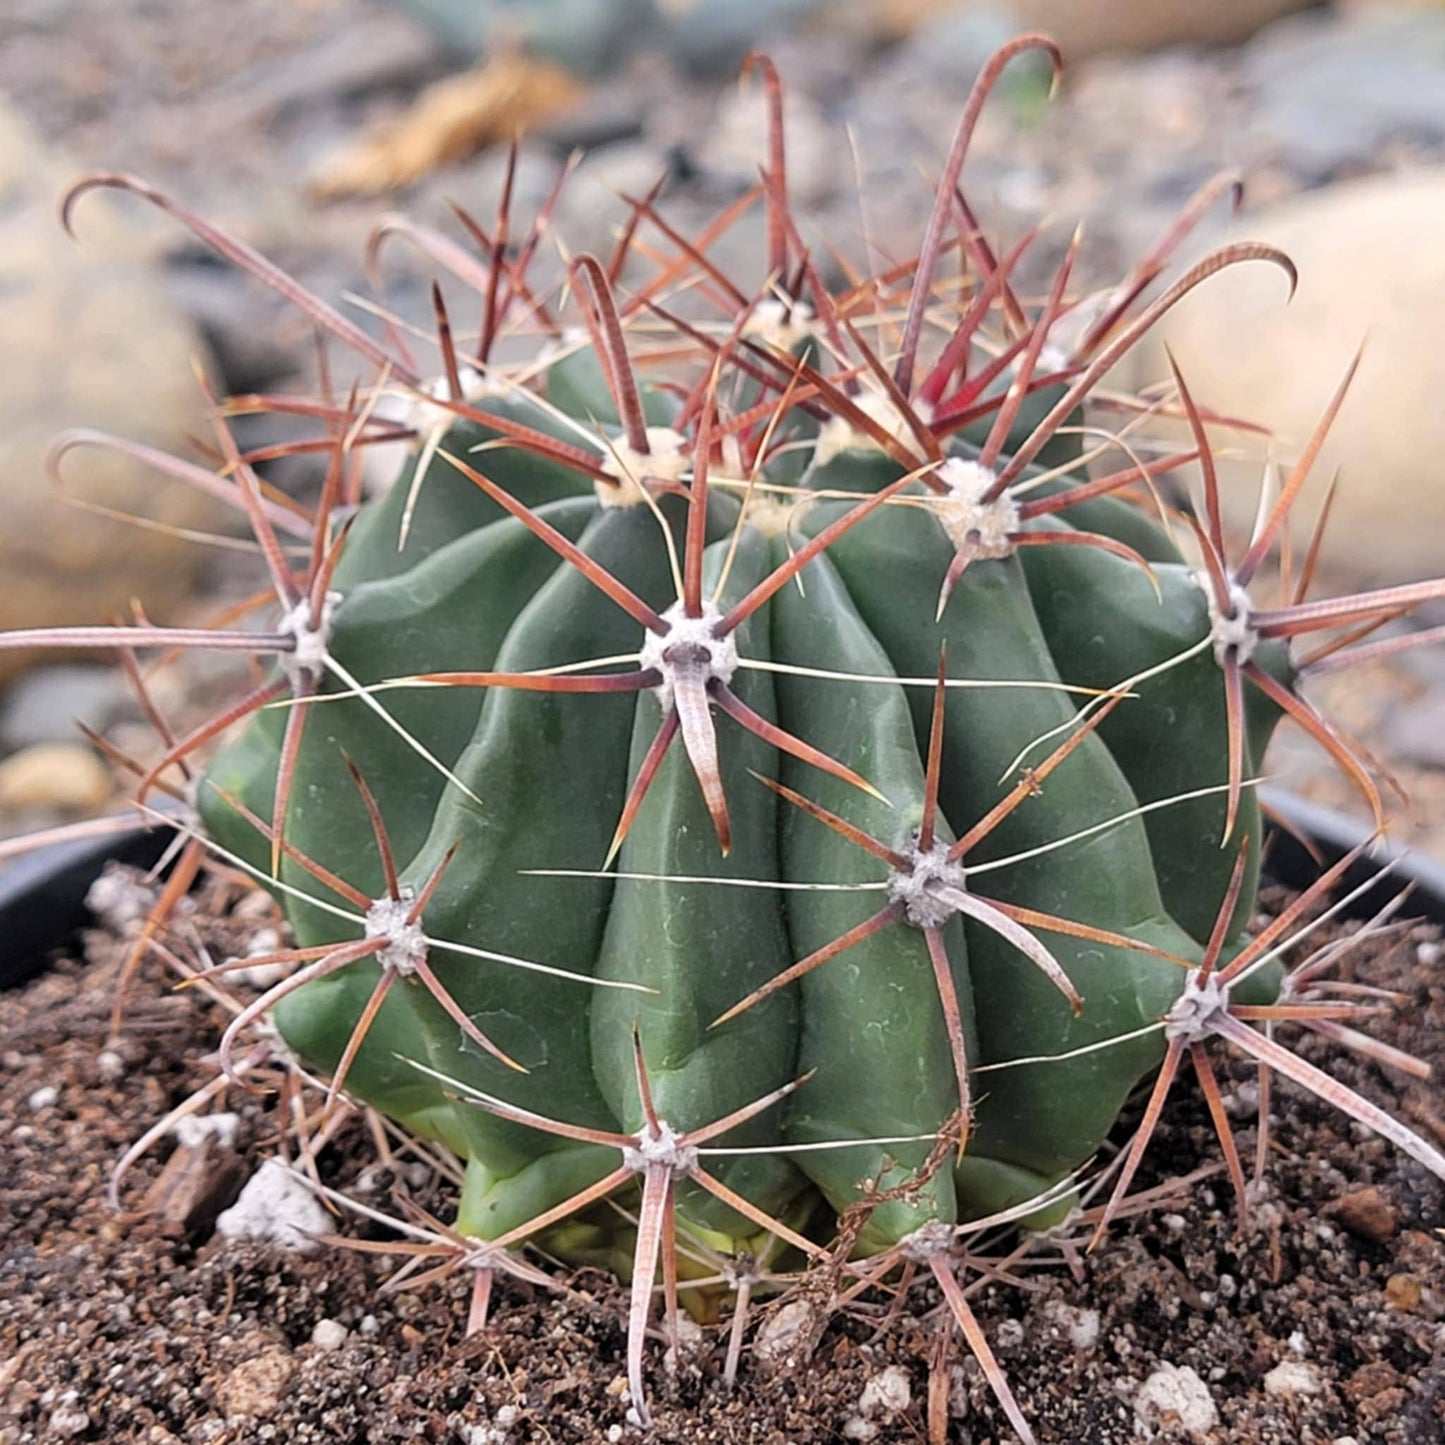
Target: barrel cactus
768, 764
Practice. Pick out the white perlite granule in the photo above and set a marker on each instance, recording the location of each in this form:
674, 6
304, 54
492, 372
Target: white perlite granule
276, 1205
1174, 1398
194, 1129
887, 1393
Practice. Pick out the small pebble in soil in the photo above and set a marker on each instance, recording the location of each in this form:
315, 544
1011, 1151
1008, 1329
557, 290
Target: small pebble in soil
120, 897
1402, 1291
1292, 1379
259, 1386
256, 1386
329, 1334
783, 1332
1367, 1214
1175, 1398
689, 1344
262, 975
254, 907
43, 1098
1079, 1326
375, 1179
276, 1205
887, 1393
959, 1403
499, 1432
193, 1131
68, 1419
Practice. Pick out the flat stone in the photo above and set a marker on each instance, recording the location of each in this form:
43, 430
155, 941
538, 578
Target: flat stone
373, 52
46, 703
251, 354
479, 188
713, 39
593, 199
787, 1335
197, 1183
1332, 89
600, 116
738, 137
588, 37
953, 45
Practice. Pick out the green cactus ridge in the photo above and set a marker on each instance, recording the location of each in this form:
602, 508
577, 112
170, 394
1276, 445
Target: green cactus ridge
762, 772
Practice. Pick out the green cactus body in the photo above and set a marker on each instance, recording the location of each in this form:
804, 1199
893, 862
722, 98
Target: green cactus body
539, 780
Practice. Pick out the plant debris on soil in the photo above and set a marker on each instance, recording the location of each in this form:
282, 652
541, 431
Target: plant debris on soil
1318, 1318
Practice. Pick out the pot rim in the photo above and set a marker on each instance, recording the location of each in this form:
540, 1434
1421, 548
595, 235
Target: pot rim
1303, 838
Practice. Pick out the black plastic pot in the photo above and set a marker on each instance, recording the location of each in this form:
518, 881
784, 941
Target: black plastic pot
42, 894
1303, 836
42, 897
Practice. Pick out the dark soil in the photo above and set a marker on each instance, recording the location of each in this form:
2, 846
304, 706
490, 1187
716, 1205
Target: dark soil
153, 1329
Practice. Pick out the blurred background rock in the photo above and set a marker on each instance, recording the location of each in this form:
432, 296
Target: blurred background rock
296, 123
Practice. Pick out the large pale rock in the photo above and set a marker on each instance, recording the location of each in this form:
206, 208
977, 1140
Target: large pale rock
89, 340
64, 777
1093, 27
1370, 267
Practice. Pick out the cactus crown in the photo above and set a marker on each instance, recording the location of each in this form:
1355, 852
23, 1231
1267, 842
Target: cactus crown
759, 759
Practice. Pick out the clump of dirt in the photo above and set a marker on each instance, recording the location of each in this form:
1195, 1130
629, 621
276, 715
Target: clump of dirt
1319, 1317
